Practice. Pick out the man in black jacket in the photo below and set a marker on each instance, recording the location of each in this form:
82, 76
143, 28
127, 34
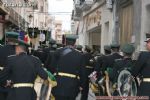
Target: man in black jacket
5, 51
69, 70
120, 64
142, 68
22, 70
109, 59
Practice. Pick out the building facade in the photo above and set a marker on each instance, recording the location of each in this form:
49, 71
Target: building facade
95, 23
26, 17
132, 22
58, 31
101, 22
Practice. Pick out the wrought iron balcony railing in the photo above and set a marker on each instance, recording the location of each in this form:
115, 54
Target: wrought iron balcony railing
86, 5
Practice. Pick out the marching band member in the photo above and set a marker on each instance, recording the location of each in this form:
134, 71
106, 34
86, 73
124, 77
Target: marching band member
142, 68
69, 70
22, 69
5, 51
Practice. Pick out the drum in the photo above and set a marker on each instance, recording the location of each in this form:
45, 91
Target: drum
93, 77
127, 85
43, 89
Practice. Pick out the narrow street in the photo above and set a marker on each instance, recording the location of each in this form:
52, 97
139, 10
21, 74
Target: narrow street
63, 46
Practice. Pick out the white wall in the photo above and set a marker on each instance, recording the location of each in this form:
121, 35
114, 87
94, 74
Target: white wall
145, 22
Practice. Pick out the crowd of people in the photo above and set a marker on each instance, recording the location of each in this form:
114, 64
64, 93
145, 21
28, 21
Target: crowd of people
70, 64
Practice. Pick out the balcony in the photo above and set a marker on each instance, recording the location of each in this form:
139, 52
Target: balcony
3, 9
12, 17
76, 16
77, 5
86, 5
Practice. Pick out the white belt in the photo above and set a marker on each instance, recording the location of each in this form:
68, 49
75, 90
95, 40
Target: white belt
18, 85
146, 79
1, 68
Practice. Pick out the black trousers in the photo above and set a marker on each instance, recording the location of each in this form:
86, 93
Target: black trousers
64, 98
3, 95
85, 91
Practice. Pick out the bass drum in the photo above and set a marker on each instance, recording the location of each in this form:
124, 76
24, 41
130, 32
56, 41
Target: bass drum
43, 89
126, 84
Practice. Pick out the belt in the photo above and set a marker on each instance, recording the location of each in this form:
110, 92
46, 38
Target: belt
89, 67
67, 75
18, 85
1, 68
146, 79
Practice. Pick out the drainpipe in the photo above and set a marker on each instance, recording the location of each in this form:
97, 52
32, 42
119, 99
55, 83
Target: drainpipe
114, 35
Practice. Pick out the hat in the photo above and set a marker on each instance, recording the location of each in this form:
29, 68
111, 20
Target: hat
107, 47
147, 37
128, 48
52, 41
71, 36
70, 39
21, 42
14, 35
54, 46
114, 45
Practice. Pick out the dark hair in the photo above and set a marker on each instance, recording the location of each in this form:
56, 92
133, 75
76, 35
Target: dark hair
70, 42
107, 51
115, 49
88, 50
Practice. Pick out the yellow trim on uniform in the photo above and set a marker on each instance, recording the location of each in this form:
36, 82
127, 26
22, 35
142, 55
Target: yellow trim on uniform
18, 85
1, 68
67, 75
146, 79
90, 67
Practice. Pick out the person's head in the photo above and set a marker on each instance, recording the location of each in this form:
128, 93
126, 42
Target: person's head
54, 47
127, 50
107, 49
87, 49
21, 47
12, 37
70, 39
148, 42
52, 42
115, 47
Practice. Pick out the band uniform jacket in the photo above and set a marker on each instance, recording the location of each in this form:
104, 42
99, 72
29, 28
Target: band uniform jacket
48, 61
5, 51
69, 61
98, 65
22, 68
142, 68
108, 60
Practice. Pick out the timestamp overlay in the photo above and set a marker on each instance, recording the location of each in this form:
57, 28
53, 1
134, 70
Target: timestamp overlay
122, 98
19, 4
